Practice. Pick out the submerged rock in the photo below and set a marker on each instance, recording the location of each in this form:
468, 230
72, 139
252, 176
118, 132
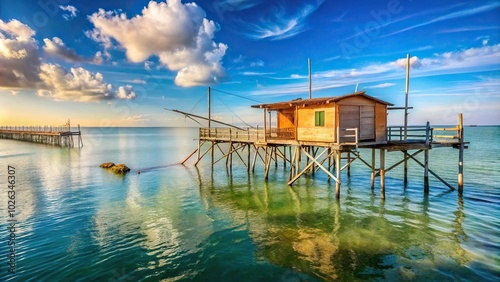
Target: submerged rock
120, 168
107, 165
116, 168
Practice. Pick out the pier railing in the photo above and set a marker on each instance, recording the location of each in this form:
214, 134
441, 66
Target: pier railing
45, 128
425, 133
247, 135
232, 134
55, 135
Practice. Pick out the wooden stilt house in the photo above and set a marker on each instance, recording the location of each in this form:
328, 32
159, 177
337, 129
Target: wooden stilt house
353, 118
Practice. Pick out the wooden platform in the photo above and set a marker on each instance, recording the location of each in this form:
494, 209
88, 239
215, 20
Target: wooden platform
272, 146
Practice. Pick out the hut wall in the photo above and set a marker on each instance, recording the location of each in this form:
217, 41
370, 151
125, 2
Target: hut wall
286, 118
306, 128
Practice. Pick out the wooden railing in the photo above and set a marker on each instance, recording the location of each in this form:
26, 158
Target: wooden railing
232, 134
347, 136
281, 133
424, 133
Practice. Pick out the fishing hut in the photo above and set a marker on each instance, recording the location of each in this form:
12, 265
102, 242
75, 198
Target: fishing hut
326, 134
53, 135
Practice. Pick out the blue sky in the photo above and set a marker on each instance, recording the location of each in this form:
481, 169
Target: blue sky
120, 63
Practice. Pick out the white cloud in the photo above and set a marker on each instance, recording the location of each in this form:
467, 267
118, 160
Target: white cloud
453, 15
56, 47
139, 118
414, 62
178, 34
254, 73
71, 9
484, 58
79, 85
258, 63
239, 59
282, 25
19, 56
381, 85
14, 92
22, 68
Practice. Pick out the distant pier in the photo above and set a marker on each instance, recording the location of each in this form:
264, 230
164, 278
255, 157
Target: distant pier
51, 135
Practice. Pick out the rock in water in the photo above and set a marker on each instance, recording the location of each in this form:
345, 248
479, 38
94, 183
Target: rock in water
107, 165
120, 168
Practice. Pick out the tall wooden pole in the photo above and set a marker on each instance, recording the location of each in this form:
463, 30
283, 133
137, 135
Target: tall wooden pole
265, 126
406, 93
209, 112
310, 77
407, 86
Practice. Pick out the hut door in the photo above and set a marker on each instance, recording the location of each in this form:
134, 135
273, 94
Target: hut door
360, 117
367, 123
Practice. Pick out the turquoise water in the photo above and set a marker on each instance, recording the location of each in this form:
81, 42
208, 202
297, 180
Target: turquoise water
79, 222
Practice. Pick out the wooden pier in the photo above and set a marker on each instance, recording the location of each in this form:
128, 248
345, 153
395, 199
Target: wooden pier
52, 135
325, 134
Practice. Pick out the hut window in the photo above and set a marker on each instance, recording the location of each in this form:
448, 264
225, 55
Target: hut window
319, 118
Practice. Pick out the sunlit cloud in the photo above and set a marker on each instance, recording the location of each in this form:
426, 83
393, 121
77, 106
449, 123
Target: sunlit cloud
178, 34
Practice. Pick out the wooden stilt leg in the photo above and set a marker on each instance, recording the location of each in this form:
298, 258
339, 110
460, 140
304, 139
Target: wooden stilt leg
337, 166
382, 173
426, 172
372, 181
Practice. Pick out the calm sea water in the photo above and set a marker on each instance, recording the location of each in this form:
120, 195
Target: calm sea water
79, 222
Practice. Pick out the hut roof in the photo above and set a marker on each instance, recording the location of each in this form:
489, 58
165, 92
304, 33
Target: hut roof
317, 101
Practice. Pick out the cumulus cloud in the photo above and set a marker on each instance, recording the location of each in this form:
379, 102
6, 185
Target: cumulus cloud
71, 12
22, 68
414, 62
178, 34
19, 56
56, 47
79, 85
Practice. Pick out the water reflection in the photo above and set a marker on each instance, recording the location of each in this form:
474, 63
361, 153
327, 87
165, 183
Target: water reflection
358, 237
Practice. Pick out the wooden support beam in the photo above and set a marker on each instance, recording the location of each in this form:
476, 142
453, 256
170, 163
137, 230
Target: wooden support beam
337, 166
209, 149
405, 170
426, 172
190, 155
435, 175
348, 164
372, 180
406, 157
255, 157
313, 161
267, 162
460, 155
382, 173
248, 157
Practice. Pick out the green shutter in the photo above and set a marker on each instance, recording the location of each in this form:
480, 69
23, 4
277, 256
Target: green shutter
319, 118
